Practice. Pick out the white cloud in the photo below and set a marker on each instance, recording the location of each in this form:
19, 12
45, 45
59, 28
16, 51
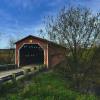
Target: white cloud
24, 4
18, 32
21, 3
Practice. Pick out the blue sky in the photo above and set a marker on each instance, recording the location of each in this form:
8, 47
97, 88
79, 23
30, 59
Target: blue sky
19, 18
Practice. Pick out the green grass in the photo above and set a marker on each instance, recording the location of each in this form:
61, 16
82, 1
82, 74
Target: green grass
44, 86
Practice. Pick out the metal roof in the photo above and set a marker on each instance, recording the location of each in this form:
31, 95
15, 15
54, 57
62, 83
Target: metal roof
44, 40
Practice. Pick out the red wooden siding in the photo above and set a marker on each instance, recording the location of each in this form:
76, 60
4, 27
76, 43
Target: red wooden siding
53, 53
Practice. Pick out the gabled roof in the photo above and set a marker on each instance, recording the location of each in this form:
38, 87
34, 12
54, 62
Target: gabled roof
44, 40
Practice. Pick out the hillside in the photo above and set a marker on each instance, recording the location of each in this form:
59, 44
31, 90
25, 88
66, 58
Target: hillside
44, 86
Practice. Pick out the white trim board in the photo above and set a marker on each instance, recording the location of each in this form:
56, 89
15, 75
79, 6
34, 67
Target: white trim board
29, 43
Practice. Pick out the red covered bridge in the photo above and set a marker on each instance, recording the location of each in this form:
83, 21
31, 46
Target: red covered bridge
34, 50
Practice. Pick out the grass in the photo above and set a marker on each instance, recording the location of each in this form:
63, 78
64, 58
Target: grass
44, 86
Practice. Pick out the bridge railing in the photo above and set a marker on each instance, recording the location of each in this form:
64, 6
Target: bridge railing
22, 73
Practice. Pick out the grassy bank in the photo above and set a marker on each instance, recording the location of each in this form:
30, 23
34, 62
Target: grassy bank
44, 86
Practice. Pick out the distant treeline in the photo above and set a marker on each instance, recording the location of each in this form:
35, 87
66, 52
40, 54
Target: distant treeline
7, 56
6, 50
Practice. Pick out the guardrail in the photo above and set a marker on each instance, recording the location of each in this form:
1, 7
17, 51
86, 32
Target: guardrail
23, 73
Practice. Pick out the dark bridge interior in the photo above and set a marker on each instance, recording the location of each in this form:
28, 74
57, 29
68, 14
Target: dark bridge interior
31, 54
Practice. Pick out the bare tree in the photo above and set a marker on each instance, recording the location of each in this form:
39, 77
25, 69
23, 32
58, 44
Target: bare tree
77, 29
11, 51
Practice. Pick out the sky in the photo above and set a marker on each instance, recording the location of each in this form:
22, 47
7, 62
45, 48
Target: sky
20, 18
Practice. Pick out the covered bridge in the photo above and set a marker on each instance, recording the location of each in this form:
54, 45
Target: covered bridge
33, 50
